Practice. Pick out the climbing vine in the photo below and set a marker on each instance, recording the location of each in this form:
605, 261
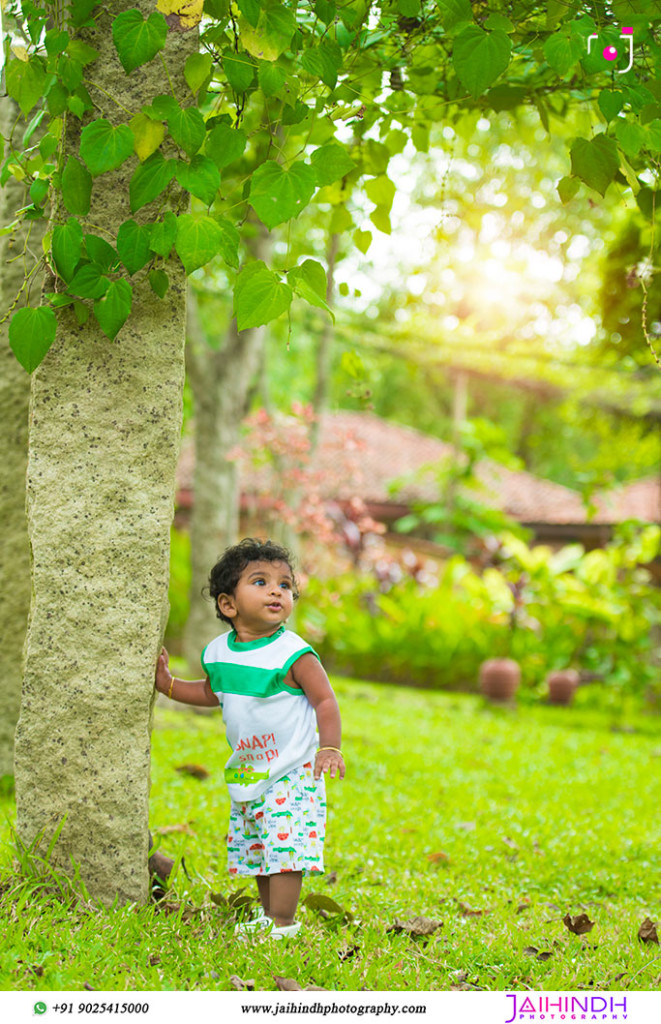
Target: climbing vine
285, 104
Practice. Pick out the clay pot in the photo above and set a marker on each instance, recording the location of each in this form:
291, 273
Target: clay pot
562, 685
499, 678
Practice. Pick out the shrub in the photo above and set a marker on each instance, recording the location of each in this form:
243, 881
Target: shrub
594, 611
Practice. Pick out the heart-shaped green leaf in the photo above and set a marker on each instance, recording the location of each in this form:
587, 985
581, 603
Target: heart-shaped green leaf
159, 282
187, 128
136, 40
595, 161
88, 282
67, 247
330, 163
259, 296
277, 194
323, 61
163, 234
199, 239
197, 70
114, 309
225, 145
103, 148
133, 245
149, 180
310, 282
76, 187
31, 334
101, 253
200, 177
479, 57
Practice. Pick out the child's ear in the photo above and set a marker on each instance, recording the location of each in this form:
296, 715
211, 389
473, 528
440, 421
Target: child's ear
226, 605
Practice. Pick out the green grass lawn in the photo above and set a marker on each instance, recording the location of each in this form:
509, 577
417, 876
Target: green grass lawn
496, 822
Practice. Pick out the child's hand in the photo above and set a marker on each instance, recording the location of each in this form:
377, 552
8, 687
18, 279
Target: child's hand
330, 761
163, 674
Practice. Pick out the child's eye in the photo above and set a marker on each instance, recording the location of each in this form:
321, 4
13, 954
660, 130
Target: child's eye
286, 585
258, 581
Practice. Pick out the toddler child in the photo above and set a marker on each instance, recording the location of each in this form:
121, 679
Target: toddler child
283, 725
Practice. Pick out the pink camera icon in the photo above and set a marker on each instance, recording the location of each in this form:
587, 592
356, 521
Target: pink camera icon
611, 53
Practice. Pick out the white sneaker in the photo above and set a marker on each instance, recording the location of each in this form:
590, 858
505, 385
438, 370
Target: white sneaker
283, 931
256, 923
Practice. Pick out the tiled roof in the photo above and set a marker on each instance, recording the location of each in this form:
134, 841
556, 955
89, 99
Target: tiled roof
388, 451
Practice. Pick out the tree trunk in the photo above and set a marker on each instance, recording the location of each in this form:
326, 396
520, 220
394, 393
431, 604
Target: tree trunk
14, 401
322, 385
220, 380
105, 421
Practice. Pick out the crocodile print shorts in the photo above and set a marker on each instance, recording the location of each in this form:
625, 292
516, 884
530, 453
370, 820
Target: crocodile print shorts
281, 830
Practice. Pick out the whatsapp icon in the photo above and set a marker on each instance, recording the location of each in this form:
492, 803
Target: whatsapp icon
40, 1008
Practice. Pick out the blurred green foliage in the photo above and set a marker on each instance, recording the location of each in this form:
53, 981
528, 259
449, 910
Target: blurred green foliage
593, 610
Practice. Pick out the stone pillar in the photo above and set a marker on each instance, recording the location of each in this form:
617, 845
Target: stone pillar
105, 421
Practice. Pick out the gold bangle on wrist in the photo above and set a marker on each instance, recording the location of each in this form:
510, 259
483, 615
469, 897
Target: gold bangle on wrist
336, 749
171, 685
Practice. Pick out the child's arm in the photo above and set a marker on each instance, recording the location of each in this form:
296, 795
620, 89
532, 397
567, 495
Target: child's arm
198, 692
310, 675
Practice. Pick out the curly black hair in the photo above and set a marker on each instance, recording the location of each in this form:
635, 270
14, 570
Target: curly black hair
226, 573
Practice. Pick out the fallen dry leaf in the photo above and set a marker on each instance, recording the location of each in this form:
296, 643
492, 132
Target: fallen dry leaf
510, 842
521, 907
466, 826
416, 926
647, 932
533, 951
438, 856
327, 908
154, 959
348, 952
88, 987
469, 912
286, 984
331, 878
241, 984
198, 771
579, 925
315, 988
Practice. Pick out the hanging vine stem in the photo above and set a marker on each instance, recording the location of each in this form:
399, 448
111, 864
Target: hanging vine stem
643, 310
24, 285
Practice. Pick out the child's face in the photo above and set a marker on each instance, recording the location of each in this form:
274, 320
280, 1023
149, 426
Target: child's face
263, 598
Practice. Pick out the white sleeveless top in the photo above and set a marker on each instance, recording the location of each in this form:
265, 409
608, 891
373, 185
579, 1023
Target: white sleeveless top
271, 727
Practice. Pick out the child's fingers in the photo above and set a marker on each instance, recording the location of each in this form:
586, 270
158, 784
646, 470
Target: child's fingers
334, 767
